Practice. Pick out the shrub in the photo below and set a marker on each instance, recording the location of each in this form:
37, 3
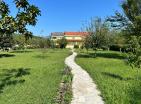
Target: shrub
104, 47
76, 46
117, 47
62, 43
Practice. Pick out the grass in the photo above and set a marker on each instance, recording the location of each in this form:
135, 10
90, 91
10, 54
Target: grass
64, 95
31, 77
116, 80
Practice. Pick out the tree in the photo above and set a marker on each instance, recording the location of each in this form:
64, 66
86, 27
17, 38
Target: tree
88, 42
98, 35
130, 20
118, 41
6, 42
35, 42
62, 42
26, 15
130, 23
44, 43
19, 41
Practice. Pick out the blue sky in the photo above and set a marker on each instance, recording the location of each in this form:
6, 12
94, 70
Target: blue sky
68, 15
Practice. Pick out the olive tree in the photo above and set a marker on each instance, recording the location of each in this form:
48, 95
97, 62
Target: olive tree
98, 35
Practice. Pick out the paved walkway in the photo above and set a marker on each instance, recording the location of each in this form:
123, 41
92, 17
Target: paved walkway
84, 89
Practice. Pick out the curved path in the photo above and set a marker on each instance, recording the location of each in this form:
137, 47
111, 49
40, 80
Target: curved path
83, 87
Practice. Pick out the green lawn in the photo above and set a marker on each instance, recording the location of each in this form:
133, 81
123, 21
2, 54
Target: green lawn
116, 80
31, 77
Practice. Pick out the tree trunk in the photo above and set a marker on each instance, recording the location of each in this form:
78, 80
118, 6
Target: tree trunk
120, 50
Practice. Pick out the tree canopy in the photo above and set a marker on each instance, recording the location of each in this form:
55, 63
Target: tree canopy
98, 34
26, 15
130, 23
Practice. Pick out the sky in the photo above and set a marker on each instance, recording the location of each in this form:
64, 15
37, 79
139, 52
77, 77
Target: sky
68, 15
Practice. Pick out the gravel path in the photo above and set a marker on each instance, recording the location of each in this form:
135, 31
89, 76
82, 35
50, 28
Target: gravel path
84, 89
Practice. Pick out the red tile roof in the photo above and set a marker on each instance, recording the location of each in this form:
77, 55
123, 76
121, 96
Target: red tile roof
76, 33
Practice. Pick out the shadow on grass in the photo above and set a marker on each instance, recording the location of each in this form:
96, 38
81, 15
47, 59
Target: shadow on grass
135, 93
115, 76
104, 55
6, 55
12, 77
21, 51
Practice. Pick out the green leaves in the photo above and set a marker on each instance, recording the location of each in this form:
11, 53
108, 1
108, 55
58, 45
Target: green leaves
29, 16
98, 34
33, 12
134, 55
118, 22
62, 43
26, 15
4, 10
27, 35
133, 44
132, 10
7, 25
130, 22
21, 4
134, 60
88, 42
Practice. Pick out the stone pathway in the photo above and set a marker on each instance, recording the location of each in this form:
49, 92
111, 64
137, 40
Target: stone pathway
83, 87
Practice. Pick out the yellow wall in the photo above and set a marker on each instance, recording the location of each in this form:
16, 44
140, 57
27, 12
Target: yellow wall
73, 37
70, 44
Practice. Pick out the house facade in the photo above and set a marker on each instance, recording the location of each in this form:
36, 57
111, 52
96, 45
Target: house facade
73, 38
55, 36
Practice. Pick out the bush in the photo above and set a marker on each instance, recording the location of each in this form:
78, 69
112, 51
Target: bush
76, 46
104, 47
62, 43
114, 48
117, 47
18, 47
82, 47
